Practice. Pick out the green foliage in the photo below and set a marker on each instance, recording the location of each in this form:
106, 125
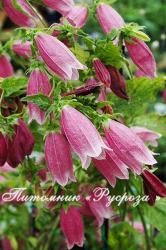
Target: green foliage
42, 101
109, 53
124, 236
156, 215
142, 91
13, 85
81, 54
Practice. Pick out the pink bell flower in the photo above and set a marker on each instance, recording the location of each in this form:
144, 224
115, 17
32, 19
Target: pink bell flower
111, 168
148, 136
38, 83
102, 72
62, 6
6, 68
142, 57
3, 150
23, 49
25, 16
109, 18
58, 57
128, 146
118, 84
78, 16
139, 73
72, 226
20, 145
82, 135
98, 208
153, 186
58, 158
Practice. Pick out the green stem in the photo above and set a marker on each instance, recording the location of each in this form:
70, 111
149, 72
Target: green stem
147, 238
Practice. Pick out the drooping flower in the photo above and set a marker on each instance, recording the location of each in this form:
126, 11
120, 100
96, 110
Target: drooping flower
62, 6
82, 135
111, 167
118, 84
109, 18
102, 98
72, 226
142, 56
22, 49
92, 206
102, 72
152, 186
38, 83
20, 13
148, 136
91, 81
20, 145
58, 158
3, 150
128, 146
77, 16
6, 69
58, 57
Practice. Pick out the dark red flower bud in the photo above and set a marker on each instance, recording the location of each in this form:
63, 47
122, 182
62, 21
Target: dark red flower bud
118, 84
102, 72
153, 186
21, 144
3, 150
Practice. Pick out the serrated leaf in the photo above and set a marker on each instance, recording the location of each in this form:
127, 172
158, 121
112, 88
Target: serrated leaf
109, 53
81, 54
42, 101
141, 91
156, 215
13, 85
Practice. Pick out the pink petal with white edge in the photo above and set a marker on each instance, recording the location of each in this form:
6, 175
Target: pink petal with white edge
82, 135
58, 158
128, 146
109, 18
58, 57
72, 226
78, 16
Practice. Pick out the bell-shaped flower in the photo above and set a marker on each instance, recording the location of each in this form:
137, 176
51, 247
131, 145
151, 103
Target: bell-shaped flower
78, 16
38, 83
111, 168
128, 146
22, 49
20, 145
109, 18
142, 57
118, 84
152, 186
72, 226
6, 68
82, 135
97, 207
3, 150
148, 136
20, 13
62, 6
58, 158
58, 57
102, 72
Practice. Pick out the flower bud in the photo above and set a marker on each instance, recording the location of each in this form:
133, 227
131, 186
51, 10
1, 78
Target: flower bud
102, 72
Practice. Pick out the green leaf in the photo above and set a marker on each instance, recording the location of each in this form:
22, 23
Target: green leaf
156, 215
13, 85
134, 30
141, 91
81, 54
109, 53
40, 100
